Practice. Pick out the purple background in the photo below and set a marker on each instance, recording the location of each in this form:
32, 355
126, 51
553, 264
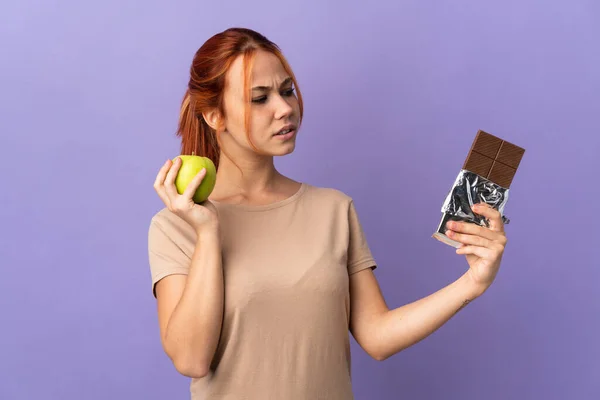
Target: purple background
394, 93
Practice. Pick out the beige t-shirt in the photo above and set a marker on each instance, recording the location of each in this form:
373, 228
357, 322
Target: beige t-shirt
286, 266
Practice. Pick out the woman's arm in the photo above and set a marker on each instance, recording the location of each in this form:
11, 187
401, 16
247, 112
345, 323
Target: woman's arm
190, 308
382, 332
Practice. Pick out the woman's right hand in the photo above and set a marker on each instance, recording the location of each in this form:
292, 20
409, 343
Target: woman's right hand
199, 216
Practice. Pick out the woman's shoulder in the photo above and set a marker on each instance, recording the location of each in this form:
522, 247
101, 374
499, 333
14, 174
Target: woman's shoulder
170, 223
328, 193
164, 217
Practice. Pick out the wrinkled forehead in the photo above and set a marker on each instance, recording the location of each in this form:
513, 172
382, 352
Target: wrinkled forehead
265, 69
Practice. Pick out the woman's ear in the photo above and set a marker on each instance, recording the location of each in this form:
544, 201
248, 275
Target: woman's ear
212, 118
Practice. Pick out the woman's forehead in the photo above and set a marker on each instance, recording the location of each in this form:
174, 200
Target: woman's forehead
266, 70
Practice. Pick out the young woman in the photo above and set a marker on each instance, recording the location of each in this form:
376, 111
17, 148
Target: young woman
259, 286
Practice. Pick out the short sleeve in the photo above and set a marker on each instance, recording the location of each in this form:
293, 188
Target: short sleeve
165, 256
359, 253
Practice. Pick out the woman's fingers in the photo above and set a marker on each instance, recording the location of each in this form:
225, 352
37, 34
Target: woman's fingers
191, 188
472, 229
491, 214
159, 182
170, 179
469, 239
162, 173
482, 252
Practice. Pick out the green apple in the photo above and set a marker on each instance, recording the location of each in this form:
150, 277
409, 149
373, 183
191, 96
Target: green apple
190, 167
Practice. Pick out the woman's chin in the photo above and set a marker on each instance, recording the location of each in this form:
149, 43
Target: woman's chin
284, 149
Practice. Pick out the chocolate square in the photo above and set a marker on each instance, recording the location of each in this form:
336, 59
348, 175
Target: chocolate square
493, 158
501, 174
478, 163
510, 155
486, 144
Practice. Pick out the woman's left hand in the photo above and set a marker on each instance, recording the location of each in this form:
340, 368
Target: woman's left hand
482, 246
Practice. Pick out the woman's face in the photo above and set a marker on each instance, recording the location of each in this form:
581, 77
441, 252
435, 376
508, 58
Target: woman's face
274, 107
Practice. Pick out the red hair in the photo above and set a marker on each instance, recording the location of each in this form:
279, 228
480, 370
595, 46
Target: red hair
207, 83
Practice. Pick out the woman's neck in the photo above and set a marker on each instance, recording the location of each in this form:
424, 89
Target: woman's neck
259, 178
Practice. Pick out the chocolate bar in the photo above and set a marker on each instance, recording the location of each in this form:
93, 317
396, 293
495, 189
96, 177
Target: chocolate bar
494, 158
486, 176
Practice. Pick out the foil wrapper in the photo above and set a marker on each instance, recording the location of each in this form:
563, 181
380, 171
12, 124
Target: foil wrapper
469, 189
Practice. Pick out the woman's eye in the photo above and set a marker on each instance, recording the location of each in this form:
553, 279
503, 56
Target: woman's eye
260, 100
263, 99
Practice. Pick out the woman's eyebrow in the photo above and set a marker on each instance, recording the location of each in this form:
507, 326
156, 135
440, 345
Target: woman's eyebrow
285, 82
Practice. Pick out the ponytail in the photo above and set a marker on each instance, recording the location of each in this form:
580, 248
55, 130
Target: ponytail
197, 137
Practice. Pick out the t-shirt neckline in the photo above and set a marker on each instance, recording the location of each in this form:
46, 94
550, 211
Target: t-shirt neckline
264, 207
